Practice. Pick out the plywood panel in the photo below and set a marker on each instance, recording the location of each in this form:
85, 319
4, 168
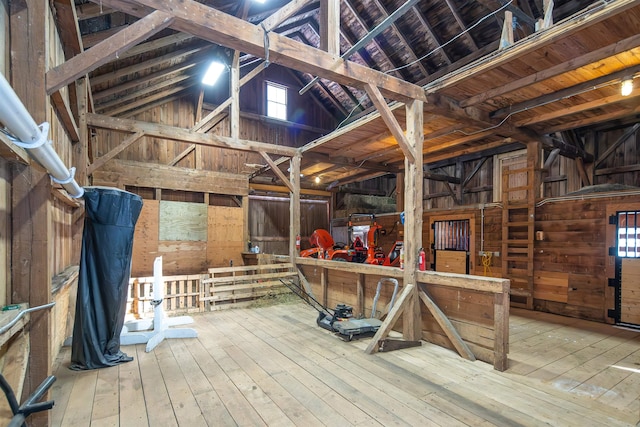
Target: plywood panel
451, 261
630, 291
145, 239
225, 230
183, 257
180, 221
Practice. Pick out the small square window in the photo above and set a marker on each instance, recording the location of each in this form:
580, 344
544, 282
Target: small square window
276, 101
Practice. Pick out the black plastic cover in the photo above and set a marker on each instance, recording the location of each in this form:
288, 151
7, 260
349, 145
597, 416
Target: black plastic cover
105, 265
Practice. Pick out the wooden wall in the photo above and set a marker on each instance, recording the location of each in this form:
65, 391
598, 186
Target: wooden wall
269, 222
476, 307
163, 230
618, 156
571, 263
301, 109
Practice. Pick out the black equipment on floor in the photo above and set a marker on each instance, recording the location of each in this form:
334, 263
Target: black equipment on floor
341, 320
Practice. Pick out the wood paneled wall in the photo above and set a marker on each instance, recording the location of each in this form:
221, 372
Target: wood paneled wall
221, 243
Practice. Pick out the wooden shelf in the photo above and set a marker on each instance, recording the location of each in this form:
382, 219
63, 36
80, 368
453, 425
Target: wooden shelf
7, 316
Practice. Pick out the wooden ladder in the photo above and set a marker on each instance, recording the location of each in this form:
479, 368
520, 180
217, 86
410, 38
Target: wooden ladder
518, 221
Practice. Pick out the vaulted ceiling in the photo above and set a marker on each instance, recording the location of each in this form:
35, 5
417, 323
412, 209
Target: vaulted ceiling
495, 72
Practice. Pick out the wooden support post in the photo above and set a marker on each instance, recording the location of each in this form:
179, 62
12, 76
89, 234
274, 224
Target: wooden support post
235, 96
411, 320
31, 193
294, 212
360, 295
330, 26
506, 39
547, 22
324, 286
449, 330
501, 327
400, 191
198, 115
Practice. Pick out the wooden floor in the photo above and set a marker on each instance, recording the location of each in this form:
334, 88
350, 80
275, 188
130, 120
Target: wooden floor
273, 366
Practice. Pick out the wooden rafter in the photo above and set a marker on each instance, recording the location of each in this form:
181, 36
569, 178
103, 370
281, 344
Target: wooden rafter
63, 109
393, 316
155, 62
461, 24
575, 63
412, 54
277, 171
214, 26
179, 134
146, 80
391, 122
565, 93
133, 106
123, 101
98, 163
105, 51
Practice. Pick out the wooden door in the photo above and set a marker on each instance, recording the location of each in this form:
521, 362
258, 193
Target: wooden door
630, 291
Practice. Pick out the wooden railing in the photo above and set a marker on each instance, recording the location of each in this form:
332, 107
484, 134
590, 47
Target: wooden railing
225, 287
476, 308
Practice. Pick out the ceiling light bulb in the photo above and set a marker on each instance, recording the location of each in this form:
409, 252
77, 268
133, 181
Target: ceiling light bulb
627, 86
213, 73
317, 180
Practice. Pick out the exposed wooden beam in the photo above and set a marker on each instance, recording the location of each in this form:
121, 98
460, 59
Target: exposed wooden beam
217, 27
394, 314
284, 13
441, 177
154, 175
475, 170
121, 102
283, 189
277, 171
105, 51
200, 126
179, 134
67, 24
149, 46
99, 162
532, 43
577, 108
616, 144
92, 39
149, 79
92, 10
65, 115
171, 90
182, 155
552, 157
602, 118
564, 93
387, 116
330, 26
413, 209
11, 152
169, 58
461, 24
572, 64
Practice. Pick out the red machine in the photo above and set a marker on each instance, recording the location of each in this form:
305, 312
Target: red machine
324, 246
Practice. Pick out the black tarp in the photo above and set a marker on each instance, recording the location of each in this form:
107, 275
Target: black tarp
105, 266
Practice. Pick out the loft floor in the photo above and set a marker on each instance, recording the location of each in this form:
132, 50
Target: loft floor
272, 366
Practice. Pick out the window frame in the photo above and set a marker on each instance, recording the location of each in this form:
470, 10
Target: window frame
268, 102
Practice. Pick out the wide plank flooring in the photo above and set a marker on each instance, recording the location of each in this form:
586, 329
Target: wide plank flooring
273, 366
